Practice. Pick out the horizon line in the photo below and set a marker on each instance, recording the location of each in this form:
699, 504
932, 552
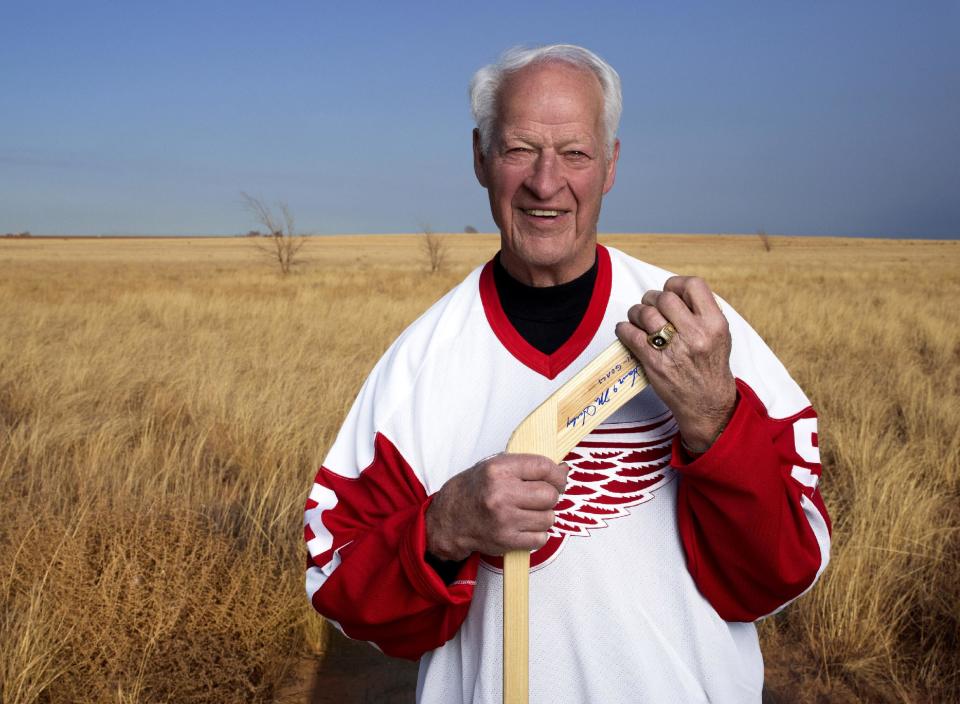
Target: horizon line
29, 235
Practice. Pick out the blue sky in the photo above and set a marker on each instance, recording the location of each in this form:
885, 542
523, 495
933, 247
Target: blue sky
151, 118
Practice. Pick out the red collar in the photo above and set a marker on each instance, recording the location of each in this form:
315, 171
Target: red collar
549, 365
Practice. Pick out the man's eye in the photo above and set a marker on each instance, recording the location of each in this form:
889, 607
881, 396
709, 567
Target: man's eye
575, 154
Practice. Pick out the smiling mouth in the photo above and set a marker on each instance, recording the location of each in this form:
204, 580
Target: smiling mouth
541, 213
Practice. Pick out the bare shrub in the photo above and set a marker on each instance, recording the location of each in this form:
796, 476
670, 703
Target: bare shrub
284, 242
434, 249
470, 230
764, 239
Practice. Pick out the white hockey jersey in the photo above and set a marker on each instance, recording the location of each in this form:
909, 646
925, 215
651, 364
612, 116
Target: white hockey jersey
657, 563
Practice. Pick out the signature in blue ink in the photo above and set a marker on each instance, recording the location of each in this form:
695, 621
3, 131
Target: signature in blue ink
582, 416
628, 380
632, 375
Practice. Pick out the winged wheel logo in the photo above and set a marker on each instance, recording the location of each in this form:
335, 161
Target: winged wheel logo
615, 468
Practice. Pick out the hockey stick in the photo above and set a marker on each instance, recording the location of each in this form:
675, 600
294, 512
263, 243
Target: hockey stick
553, 429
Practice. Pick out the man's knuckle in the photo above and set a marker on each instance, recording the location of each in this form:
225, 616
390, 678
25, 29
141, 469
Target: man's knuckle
544, 463
492, 503
535, 497
670, 302
489, 470
650, 317
699, 343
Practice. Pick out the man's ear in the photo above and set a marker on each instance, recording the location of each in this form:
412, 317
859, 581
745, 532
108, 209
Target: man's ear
611, 175
479, 160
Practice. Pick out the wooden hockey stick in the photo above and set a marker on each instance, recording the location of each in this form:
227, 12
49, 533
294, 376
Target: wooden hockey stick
553, 429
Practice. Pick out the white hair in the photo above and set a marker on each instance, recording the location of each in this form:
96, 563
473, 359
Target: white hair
487, 82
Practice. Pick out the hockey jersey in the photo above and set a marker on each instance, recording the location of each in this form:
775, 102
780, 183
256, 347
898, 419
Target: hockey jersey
657, 564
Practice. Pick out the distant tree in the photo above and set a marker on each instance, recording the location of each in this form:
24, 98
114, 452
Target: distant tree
764, 239
470, 230
254, 233
25, 233
434, 249
284, 242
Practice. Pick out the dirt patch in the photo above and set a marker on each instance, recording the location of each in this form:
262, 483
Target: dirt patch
351, 671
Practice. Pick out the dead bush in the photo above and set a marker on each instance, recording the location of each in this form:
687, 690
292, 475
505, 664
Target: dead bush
284, 242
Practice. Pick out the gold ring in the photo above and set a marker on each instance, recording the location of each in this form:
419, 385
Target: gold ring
662, 337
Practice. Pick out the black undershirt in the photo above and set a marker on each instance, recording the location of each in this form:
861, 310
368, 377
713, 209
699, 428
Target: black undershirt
546, 318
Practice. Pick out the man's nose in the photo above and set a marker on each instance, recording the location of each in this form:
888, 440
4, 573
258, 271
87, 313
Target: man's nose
545, 178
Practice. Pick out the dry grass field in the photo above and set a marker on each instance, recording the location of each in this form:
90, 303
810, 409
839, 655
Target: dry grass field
164, 404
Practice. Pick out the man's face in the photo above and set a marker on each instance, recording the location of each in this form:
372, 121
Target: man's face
547, 171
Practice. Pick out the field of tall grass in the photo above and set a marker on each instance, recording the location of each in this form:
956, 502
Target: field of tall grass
164, 404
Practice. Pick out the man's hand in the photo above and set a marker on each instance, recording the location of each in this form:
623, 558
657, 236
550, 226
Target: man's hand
500, 504
691, 374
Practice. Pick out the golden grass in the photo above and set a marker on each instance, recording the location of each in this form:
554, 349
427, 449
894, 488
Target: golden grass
164, 403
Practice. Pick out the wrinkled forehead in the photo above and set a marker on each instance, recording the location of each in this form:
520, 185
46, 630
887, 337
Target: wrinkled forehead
555, 91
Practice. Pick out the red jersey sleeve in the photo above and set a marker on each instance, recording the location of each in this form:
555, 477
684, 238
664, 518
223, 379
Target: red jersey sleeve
753, 525
366, 571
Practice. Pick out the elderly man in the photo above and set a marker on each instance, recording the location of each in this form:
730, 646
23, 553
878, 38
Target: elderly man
689, 514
